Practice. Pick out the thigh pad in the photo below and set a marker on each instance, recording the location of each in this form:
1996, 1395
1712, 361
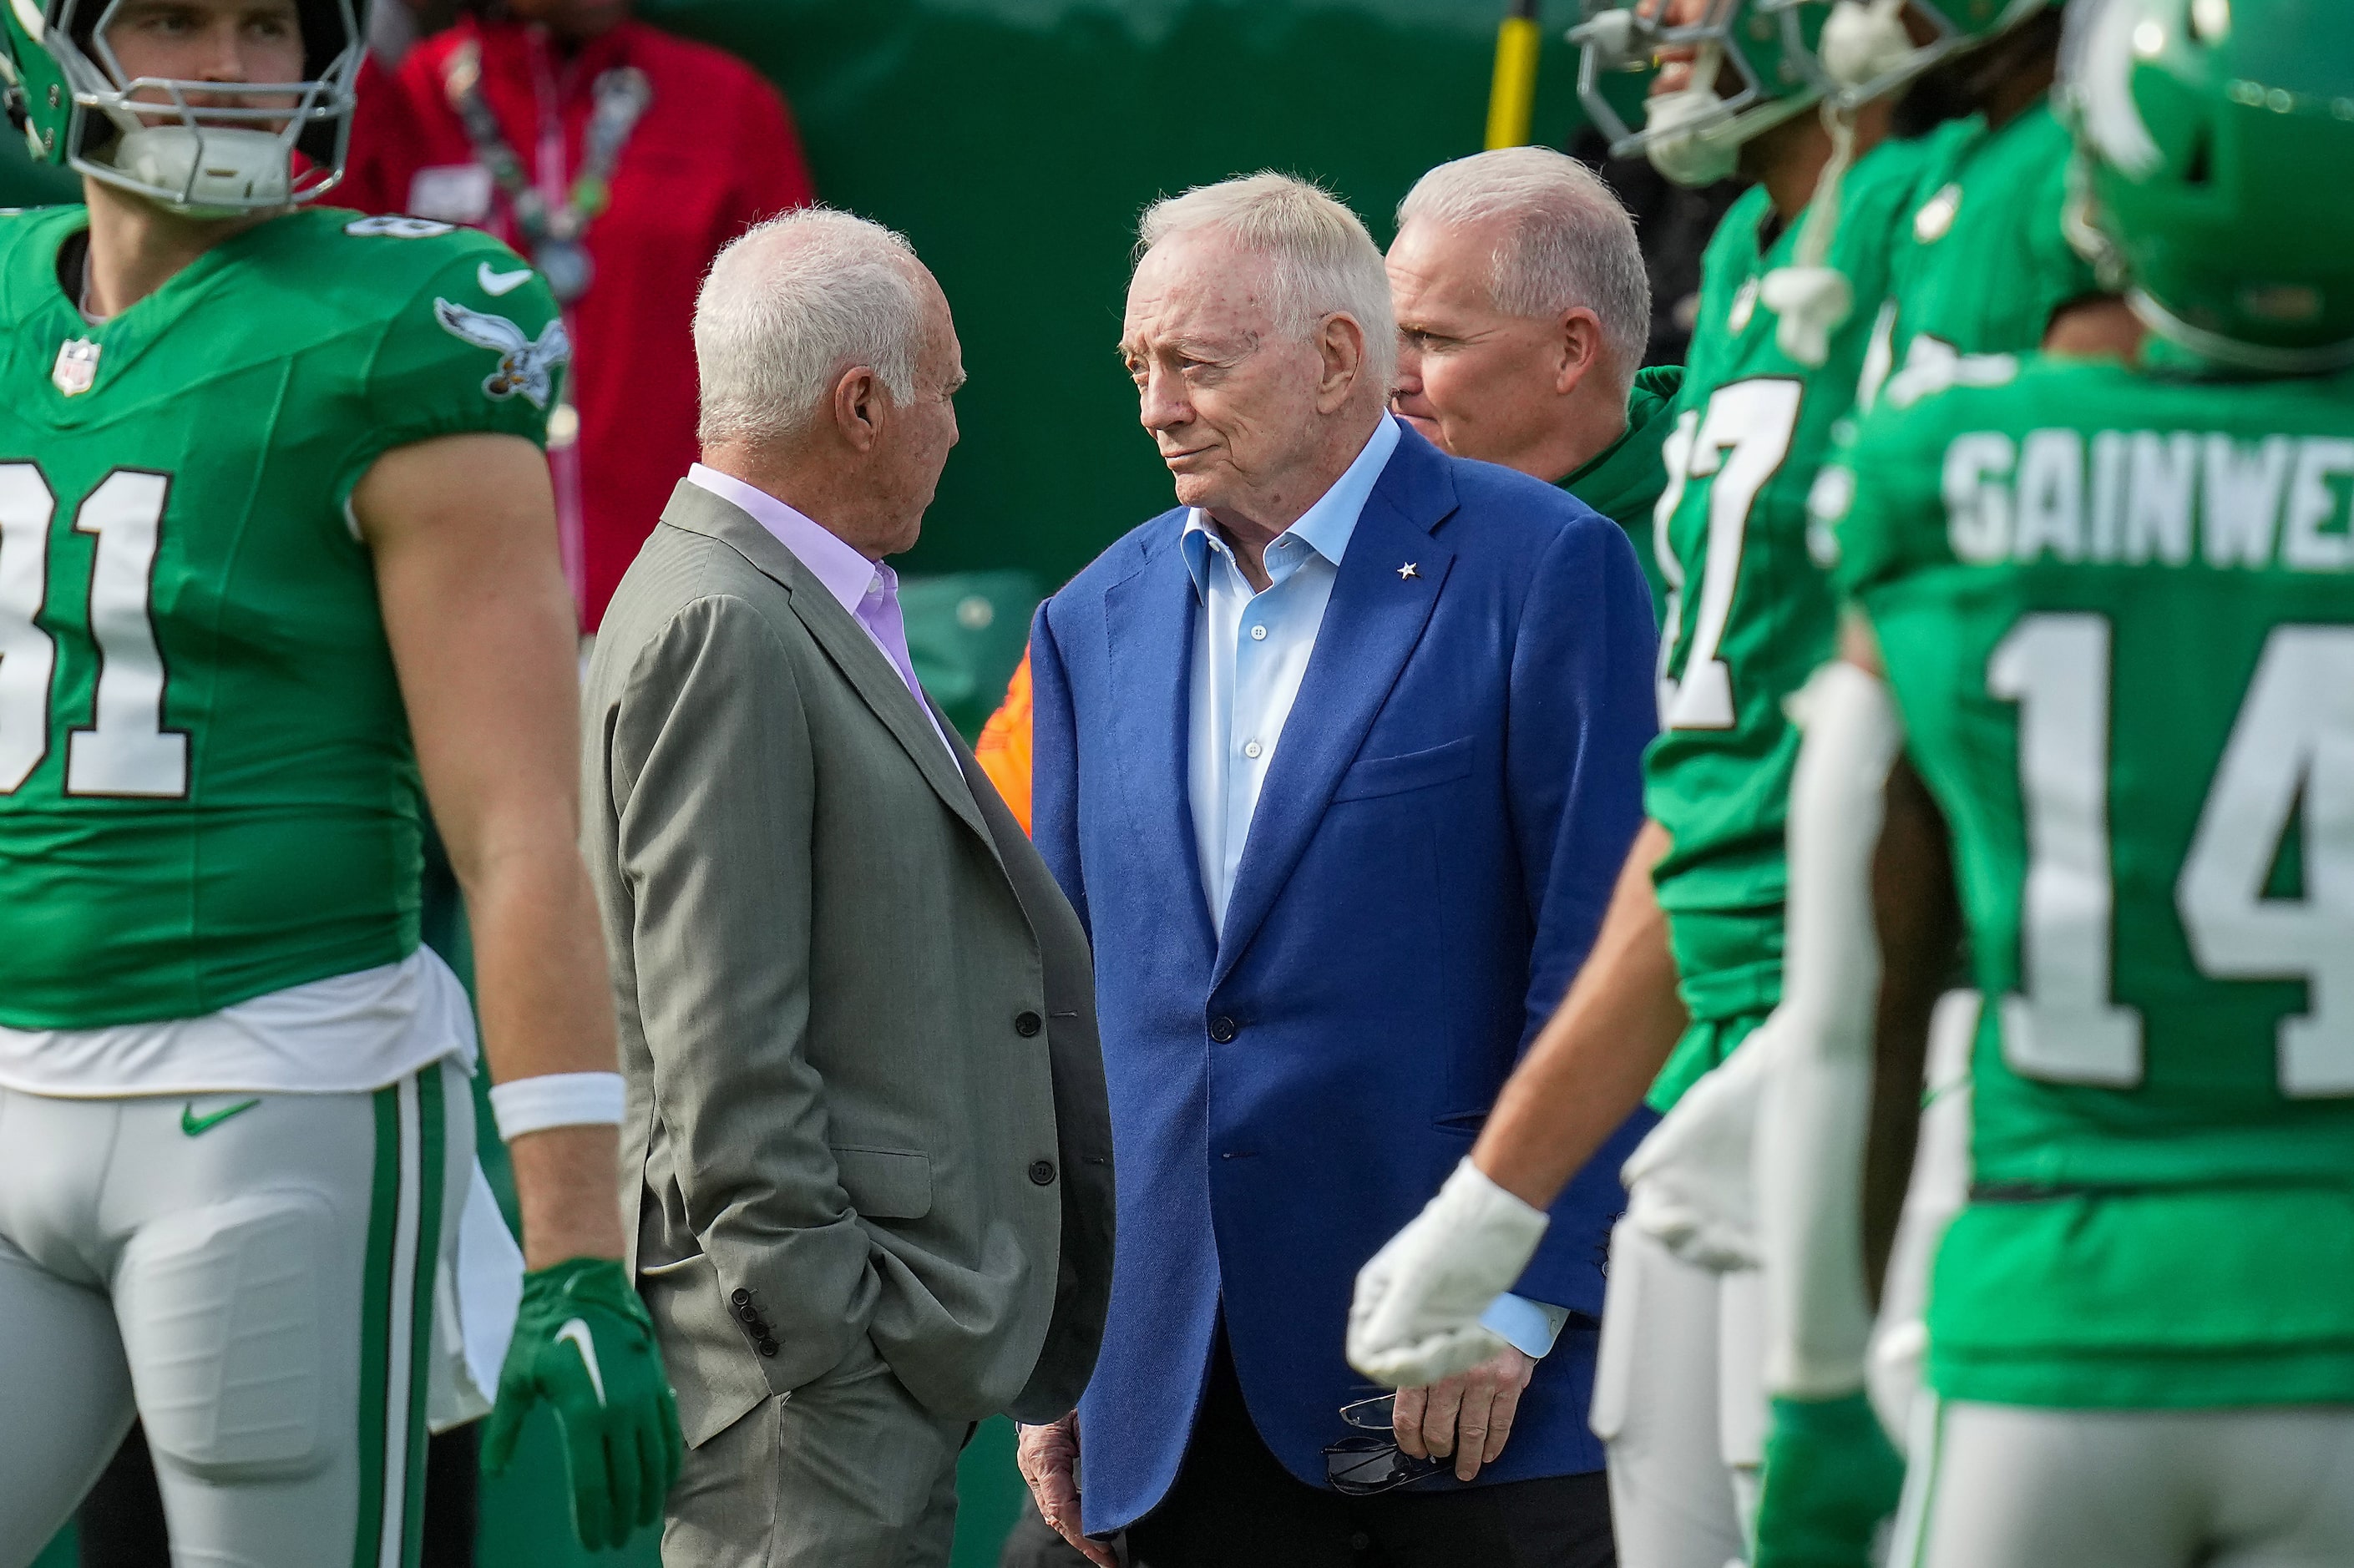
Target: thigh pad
221, 1314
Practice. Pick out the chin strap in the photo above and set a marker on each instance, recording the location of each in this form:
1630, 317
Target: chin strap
1813, 299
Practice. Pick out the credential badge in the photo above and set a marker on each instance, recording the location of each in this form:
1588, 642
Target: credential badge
76, 366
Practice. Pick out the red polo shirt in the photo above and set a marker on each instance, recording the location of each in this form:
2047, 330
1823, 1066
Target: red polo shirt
714, 153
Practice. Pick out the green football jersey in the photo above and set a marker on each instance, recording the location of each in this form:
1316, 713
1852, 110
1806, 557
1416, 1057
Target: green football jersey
207, 790
1981, 259
1750, 613
2116, 612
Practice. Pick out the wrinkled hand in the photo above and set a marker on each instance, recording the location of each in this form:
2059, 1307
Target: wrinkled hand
1831, 1478
1048, 1456
584, 1344
1415, 1318
1468, 1416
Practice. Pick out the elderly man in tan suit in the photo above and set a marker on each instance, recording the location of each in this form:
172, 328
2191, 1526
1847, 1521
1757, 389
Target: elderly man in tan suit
867, 1154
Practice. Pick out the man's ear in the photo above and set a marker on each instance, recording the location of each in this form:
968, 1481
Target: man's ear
859, 410
1580, 348
1340, 349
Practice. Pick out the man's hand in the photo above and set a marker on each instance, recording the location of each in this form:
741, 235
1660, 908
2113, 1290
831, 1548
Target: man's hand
1468, 1416
1048, 1456
1830, 1478
584, 1344
1415, 1319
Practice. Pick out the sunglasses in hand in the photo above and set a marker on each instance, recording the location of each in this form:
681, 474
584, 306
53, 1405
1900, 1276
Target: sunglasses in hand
1363, 1467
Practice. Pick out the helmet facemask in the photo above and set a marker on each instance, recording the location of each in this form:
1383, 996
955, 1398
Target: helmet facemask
143, 134
1692, 135
1866, 49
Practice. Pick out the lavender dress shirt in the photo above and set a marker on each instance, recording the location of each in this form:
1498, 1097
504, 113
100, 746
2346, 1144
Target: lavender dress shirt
868, 589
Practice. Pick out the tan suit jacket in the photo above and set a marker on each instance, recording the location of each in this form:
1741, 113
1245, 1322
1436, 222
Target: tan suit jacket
857, 1015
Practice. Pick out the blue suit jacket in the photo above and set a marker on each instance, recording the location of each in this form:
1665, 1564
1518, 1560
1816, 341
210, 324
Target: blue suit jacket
1447, 813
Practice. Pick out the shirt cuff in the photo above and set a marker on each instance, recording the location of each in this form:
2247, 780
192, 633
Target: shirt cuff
1529, 1327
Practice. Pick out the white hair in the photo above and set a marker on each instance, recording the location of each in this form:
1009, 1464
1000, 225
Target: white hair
791, 304
1570, 241
1322, 260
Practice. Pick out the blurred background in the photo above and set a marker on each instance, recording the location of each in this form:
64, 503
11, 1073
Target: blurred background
1014, 141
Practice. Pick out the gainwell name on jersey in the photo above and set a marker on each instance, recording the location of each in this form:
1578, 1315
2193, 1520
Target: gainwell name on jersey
2135, 497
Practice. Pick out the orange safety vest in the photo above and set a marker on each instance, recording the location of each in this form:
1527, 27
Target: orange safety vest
1004, 749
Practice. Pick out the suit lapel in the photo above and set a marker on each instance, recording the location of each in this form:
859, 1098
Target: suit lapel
1150, 621
853, 652
1371, 626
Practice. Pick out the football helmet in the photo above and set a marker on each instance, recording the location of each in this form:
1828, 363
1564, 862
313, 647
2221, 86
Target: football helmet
63, 87
2209, 134
1694, 135
1863, 49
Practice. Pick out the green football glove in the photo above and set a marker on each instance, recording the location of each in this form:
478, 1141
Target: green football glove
1830, 1478
583, 1343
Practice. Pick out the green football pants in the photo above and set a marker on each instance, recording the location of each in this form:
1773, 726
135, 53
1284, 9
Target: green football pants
253, 1275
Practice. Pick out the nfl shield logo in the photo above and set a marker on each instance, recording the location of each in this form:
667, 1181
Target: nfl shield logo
76, 366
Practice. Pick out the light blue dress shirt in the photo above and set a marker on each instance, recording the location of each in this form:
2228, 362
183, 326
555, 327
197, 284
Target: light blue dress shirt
1250, 649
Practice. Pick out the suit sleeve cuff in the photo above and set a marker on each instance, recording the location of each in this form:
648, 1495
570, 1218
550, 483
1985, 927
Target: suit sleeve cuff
1529, 1327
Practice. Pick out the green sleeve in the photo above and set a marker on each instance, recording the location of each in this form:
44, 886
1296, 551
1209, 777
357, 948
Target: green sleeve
457, 358
1879, 497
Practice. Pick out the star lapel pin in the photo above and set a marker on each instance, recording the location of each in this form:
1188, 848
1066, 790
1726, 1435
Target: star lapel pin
1406, 571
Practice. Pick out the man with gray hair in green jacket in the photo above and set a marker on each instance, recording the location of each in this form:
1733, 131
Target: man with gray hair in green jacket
1522, 310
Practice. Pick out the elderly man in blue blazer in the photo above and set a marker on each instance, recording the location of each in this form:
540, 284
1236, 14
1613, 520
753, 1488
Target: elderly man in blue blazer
1338, 761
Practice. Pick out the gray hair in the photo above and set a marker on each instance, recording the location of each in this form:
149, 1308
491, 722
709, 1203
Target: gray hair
1571, 242
1324, 262
792, 304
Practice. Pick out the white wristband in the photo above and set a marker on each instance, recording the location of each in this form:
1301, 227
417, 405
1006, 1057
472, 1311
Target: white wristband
556, 1100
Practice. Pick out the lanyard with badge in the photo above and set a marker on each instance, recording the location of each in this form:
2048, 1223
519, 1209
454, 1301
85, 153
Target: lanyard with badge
550, 232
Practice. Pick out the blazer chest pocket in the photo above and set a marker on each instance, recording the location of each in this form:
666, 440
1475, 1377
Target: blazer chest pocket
1376, 776
886, 1183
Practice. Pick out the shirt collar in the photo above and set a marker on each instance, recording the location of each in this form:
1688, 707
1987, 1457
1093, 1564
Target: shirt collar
848, 576
1326, 528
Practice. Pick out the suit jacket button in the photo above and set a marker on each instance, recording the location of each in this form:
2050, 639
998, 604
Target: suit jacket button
1222, 1030
1026, 1024
741, 1296
769, 1348
1042, 1171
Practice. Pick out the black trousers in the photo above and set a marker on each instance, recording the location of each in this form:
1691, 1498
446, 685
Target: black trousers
1234, 1505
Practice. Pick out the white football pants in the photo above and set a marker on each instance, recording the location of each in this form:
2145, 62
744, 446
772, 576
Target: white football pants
1680, 1401
257, 1280
2007, 1486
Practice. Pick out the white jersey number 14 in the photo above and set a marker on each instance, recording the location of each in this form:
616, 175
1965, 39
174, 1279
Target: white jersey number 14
2291, 748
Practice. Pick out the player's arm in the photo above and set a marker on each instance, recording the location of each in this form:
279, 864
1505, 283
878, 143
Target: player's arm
1415, 1317
1591, 1064
461, 530
1918, 920
1870, 932
479, 620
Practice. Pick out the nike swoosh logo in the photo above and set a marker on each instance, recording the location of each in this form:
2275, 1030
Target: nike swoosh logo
191, 1124
497, 283
576, 1332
